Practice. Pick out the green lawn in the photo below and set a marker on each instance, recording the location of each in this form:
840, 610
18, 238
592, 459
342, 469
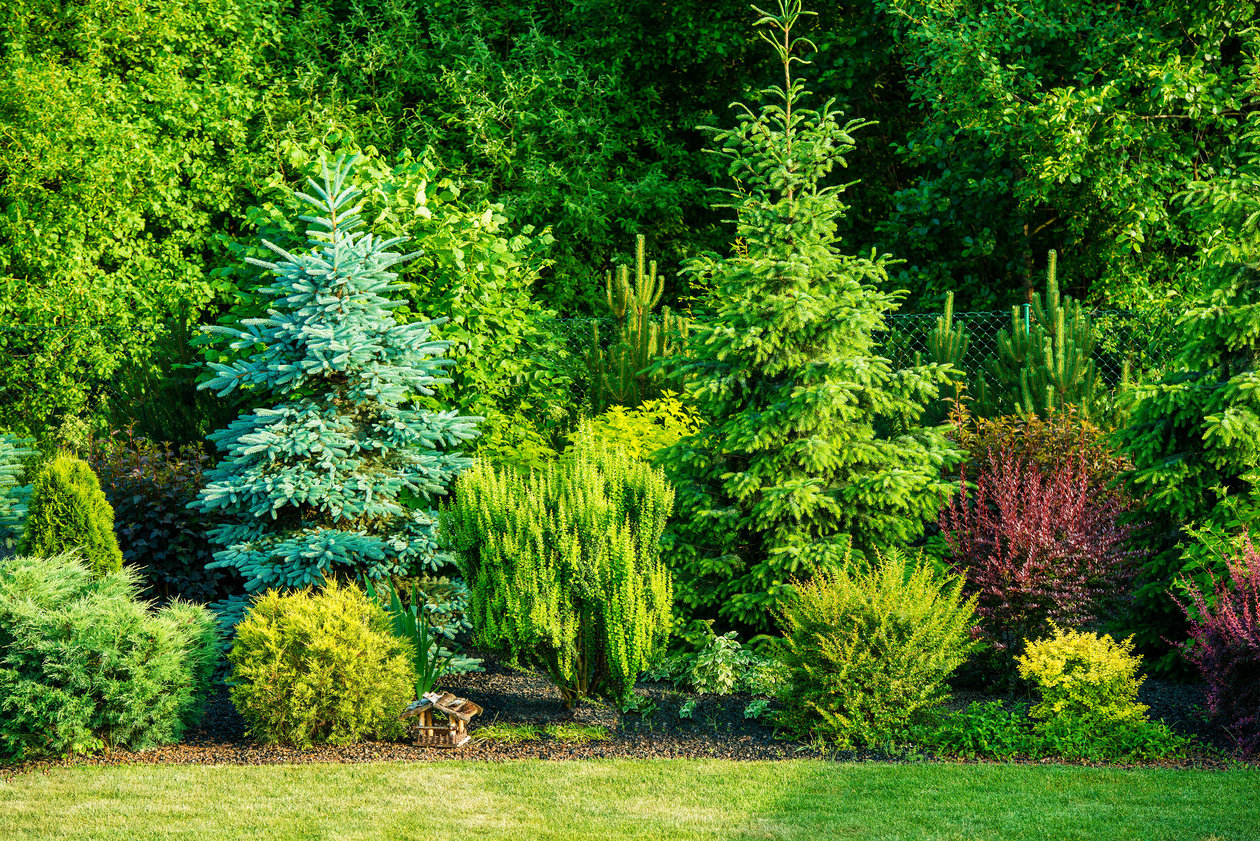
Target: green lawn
630, 800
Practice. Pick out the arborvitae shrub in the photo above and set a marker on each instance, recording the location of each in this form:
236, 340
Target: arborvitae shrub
1036, 546
85, 665
565, 567
866, 649
150, 486
1225, 635
320, 667
69, 513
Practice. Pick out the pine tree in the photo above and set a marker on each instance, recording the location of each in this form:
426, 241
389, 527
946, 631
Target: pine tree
812, 440
325, 482
1045, 365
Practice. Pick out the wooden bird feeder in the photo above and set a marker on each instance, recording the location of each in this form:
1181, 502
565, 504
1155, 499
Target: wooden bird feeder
448, 734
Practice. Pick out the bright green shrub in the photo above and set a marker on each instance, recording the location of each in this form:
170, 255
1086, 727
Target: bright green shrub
564, 565
320, 666
68, 512
85, 665
990, 731
646, 429
1082, 675
867, 648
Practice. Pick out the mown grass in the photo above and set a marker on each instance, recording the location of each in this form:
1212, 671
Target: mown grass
622, 799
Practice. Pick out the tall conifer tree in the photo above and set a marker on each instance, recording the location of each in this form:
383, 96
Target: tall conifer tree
316, 486
812, 441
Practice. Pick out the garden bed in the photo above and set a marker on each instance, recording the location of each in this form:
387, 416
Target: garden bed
516, 701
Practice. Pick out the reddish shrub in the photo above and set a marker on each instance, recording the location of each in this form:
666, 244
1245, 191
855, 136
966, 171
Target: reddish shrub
1226, 649
150, 485
1036, 547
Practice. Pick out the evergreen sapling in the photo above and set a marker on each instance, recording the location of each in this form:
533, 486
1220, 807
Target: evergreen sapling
813, 439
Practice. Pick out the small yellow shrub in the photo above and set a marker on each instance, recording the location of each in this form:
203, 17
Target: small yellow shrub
1084, 676
320, 666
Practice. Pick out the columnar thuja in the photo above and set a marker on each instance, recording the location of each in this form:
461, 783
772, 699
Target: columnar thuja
335, 478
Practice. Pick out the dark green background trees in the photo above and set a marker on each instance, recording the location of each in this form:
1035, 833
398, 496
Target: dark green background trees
134, 135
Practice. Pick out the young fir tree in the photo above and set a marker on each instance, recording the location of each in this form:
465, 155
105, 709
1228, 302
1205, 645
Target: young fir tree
322, 484
811, 440
1194, 439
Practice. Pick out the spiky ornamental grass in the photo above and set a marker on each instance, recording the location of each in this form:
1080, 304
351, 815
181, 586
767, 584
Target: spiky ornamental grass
314, 487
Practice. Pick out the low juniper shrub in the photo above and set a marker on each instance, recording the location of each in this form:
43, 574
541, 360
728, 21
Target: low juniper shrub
86, 665
1225, 646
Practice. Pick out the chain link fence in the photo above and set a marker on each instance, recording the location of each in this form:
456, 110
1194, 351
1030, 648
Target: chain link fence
1125, 341
29, 355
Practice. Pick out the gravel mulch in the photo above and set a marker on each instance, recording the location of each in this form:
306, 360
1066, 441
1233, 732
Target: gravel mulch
716, 729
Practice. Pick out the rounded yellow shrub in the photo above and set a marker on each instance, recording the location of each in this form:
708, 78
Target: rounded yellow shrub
1083, 675
320, 666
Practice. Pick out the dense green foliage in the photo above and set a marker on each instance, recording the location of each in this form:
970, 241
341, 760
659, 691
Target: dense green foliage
85, 665
810, 440
320, 667
1194, 439
150, 488
565, 566
69, 513
987, 730
315, 486
1075, 126
868, 649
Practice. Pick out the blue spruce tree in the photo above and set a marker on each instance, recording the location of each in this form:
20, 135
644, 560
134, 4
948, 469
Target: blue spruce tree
334, 479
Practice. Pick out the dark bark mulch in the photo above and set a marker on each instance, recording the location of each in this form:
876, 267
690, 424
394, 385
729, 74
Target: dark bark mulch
717, 728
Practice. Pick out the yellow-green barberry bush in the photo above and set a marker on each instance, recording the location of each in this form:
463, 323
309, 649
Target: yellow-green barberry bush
866, 649
1083, 675
320, 666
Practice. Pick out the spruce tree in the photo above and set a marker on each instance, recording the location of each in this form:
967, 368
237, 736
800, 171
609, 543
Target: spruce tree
336, 477
812, 440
